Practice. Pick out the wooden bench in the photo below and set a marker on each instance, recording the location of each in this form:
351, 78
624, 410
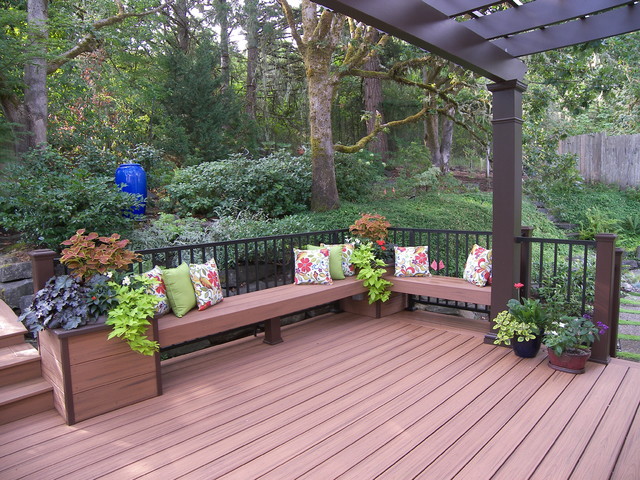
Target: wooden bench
447, 288
251, 308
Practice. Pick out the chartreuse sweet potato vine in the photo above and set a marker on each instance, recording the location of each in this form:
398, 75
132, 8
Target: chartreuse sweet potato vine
370, 271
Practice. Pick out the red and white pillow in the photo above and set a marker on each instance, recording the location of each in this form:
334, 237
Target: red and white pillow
479, 266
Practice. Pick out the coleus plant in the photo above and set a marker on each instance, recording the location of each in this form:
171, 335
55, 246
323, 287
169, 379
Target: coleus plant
91, 254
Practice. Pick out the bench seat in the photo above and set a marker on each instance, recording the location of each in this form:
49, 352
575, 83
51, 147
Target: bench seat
251, 308
447, 288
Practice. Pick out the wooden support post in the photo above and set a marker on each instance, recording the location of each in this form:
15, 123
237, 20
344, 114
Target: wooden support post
42, 267
615, 307
525, 262
604, 293
272, 334
507, 193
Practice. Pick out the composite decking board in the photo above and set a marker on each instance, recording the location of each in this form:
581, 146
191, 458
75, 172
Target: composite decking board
130, 431
610, 436
478, 328
517, 433
569, 446
419, 425
628, 462
155, 445
375, 432
321, 338
328, 449
337, 413
287, 375
473, 434
537, 420
296, 410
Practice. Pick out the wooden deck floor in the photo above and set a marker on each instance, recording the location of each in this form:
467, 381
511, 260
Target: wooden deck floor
356, 398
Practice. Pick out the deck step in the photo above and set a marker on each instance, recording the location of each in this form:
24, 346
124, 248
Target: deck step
11, 331
23, 399
18, 363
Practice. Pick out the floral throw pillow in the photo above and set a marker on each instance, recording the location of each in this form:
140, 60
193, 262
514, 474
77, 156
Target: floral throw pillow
159, 290
312, 267
348, 269
478, 267
206, 284
412, 261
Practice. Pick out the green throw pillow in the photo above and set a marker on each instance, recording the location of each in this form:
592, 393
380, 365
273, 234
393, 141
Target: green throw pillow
335, 260
180, 292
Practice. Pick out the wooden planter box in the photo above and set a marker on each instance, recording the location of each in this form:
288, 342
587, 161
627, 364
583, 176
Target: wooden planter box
92, 375
359, 304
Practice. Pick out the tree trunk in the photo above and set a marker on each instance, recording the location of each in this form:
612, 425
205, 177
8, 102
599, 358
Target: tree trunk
223, 21
183, 34
446, 140
320, 88
35, 76
373, 104
251, 29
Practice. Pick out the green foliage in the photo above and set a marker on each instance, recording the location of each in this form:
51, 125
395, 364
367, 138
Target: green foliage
597, 221
509, 327
130, 318
62, 303
201, 119
91, 254
356, 173
560, 296
277, 185
572, 333
598, 208
46, 197
370, 271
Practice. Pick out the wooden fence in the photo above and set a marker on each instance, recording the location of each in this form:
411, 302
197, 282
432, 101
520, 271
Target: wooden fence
613, 160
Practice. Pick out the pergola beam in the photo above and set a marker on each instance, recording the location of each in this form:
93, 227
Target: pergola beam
609, 24
419, 23
453, 8
535, 15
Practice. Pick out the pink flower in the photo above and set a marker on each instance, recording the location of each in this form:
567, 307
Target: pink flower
518, 285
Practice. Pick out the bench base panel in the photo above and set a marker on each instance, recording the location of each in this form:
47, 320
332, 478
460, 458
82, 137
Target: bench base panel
359, 304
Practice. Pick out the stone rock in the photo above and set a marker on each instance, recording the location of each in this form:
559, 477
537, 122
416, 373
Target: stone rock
632, 264
25, 302
15, 271
12, 292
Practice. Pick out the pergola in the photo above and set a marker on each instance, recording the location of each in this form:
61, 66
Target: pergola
487, 37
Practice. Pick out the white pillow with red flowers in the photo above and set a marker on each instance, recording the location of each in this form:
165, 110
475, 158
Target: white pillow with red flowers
159, 290
206, 284
312, 267
412, 261
348, 269
479, 266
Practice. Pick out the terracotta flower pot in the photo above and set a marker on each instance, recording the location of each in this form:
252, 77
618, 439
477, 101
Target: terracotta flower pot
571, 361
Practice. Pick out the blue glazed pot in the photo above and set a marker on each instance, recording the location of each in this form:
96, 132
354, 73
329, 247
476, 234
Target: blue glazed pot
132, 178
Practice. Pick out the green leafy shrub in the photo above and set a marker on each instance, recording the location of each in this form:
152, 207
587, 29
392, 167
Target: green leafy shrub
46, 197
277, 185
356, 173
597, 221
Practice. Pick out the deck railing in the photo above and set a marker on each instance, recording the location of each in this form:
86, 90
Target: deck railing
585, 275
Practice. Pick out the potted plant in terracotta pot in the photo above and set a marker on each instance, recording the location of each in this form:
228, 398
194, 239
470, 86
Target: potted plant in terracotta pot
521, 325
568, 341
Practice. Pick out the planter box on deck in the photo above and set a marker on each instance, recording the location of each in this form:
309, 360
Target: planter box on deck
92, 375
359, 304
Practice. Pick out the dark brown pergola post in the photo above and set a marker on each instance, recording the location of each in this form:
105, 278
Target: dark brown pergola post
605, 294
507, 193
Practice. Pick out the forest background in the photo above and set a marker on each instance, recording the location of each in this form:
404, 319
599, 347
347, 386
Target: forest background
249, 116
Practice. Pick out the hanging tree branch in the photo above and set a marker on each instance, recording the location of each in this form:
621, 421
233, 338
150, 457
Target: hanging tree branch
89, 42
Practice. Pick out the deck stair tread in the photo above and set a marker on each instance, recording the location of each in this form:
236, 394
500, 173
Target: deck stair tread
22, 390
